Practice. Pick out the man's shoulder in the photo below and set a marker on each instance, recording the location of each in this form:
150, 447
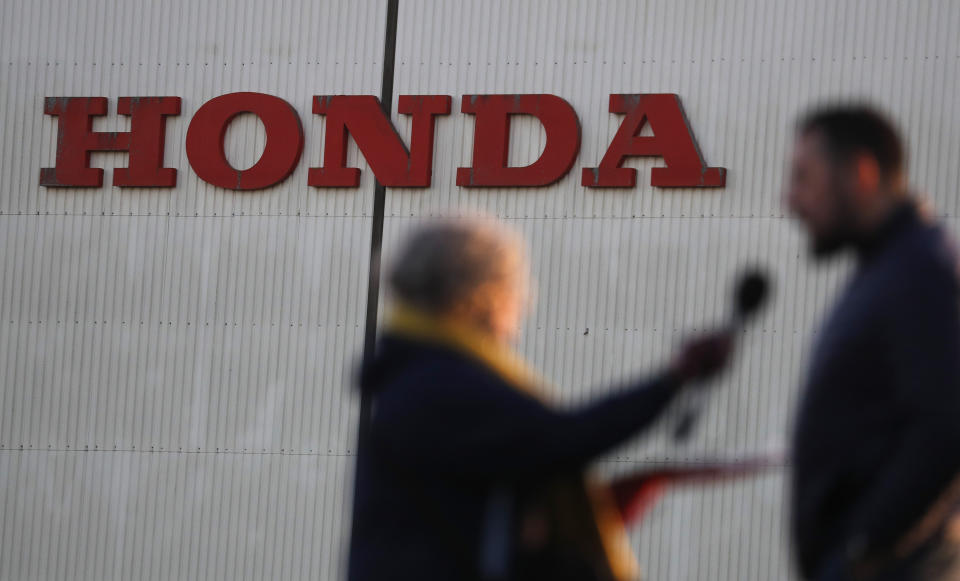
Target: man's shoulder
919, 270
925, 253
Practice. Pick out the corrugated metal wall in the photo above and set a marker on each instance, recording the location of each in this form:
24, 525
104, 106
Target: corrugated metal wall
175, 364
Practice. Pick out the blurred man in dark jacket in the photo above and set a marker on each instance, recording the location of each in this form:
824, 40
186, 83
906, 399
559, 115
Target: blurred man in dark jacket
877, 438
466, 463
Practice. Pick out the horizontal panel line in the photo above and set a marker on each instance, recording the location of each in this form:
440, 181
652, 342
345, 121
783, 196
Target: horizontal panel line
179, 323
612, 61
659, 462
175, 64
19, 449
178, 215
573, 330
421, 216
632, 217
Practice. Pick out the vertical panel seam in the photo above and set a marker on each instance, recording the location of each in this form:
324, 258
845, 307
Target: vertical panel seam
376, 242
379, 196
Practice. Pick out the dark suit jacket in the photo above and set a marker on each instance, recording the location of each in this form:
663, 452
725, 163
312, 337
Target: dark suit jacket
877, 437
446, 432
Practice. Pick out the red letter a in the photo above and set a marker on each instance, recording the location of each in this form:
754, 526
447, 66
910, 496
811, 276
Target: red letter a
672, 140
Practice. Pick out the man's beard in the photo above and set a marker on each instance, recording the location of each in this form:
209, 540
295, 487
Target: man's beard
842, 233
825, 246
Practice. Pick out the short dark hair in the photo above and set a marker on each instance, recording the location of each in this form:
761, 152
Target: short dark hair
857, 129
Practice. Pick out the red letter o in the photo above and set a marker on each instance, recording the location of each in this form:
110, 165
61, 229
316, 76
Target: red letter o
280, 155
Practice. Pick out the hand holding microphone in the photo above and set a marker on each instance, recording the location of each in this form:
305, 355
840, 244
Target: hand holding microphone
705, 356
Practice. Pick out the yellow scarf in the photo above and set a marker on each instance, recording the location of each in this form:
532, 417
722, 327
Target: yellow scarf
513, 369
497, 356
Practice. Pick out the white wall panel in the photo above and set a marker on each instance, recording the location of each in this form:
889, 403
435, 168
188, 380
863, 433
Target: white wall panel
744, 70
623, 275
197, 51
181, 333
162, 515
176, 365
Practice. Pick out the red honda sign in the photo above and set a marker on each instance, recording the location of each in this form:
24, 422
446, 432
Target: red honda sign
362, 117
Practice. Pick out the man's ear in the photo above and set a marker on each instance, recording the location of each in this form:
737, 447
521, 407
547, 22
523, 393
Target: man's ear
866, 175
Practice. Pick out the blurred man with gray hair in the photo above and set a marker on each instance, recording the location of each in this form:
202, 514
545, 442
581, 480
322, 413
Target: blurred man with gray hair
469, 473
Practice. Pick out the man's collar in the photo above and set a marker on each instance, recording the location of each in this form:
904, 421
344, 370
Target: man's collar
900, 217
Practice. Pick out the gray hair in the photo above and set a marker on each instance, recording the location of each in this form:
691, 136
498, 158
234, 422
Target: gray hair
448, 262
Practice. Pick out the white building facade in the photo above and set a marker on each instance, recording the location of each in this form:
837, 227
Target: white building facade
177, 362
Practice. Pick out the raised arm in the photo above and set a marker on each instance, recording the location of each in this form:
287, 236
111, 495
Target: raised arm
480, 427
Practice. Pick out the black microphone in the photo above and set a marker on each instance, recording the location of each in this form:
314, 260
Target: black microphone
752, 289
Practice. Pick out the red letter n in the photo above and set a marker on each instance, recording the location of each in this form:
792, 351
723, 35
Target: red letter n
392, 164
144, 142
672, 140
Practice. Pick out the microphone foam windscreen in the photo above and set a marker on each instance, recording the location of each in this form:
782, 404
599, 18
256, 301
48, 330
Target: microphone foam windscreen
751, 292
